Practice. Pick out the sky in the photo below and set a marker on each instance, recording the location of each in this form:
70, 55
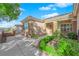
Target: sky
40, 11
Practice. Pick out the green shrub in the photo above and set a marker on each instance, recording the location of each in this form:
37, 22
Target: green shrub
48, 38
67, 47
44, 42
57, 34
42, 45
72, 35
51, 50
61, 47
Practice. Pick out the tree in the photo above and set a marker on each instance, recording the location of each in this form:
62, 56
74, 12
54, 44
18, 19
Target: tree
9, 11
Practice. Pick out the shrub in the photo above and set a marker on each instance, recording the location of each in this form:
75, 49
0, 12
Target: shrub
44, 42
72, 35
67, 47
62, 46
57, 34
48, 38
51, 50
42, 45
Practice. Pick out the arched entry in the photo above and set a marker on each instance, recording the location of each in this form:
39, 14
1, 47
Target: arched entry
49, 28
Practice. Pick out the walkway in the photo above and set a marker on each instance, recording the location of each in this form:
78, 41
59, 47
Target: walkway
18, 46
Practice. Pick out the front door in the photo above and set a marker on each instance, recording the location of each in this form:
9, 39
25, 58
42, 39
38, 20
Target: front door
49, 28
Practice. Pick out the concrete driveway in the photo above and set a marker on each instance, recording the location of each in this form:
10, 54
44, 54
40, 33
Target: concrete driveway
18, 46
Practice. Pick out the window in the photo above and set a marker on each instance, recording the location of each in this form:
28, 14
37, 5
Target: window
25, 26
66, 27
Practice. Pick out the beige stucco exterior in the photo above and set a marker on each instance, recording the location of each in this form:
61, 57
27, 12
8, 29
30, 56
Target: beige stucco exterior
55, 26
51, 27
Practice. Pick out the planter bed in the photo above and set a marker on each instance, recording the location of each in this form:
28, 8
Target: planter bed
59, 47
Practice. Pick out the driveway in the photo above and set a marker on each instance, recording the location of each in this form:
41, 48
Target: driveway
18, 46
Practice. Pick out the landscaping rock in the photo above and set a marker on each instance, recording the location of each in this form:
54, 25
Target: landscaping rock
53, 42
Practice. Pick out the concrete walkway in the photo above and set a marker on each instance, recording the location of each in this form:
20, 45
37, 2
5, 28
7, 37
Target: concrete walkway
18, 46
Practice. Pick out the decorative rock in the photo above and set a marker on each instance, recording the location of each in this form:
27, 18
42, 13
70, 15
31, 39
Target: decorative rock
53, 43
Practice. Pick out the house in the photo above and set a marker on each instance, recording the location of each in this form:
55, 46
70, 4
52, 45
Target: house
65, 23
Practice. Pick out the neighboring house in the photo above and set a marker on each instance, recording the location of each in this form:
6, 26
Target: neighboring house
65, 23
19, 28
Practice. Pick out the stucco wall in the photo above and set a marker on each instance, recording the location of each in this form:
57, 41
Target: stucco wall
37, 28
49, 28
55, 25
74, 26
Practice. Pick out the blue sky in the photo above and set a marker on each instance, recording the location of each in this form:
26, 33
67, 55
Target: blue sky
39, 10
